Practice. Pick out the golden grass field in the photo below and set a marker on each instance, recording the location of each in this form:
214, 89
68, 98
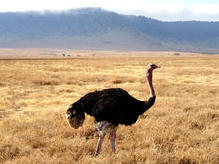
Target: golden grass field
35, 92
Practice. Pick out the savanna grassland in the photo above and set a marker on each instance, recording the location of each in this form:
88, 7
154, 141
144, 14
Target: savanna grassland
182, 127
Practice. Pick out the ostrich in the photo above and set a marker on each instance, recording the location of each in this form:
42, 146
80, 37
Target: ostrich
110, 107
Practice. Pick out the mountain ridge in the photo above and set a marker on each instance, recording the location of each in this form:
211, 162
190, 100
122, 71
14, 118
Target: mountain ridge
95, 28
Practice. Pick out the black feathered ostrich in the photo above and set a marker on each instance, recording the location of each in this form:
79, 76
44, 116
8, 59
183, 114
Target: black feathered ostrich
110, 107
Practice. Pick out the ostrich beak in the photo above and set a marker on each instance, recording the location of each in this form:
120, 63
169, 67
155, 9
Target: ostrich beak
157, 66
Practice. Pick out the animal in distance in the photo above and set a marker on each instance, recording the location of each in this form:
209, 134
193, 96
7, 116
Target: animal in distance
110, 107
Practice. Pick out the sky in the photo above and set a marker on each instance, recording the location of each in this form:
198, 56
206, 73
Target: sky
166, 10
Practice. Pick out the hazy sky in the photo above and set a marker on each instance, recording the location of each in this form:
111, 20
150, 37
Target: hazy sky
168, 10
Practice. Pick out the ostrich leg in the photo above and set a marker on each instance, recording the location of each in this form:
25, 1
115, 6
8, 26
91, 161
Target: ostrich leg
112, 137
100, 141
102, 127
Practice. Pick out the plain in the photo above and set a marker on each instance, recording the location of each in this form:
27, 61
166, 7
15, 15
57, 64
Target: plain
35, 92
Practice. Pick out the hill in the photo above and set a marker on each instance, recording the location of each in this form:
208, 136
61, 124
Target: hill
94, 28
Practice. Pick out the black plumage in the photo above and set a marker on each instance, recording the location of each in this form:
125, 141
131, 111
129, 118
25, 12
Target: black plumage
114, 105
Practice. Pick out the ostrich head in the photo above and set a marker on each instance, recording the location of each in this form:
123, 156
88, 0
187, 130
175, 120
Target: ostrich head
75, 117
151, 67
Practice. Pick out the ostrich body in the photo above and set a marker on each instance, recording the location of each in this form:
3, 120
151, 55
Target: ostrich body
110, 107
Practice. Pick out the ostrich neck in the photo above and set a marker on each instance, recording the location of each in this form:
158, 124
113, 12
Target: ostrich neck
150, 83
147, 104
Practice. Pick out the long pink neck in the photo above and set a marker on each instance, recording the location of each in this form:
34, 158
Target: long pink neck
150, 102
150, 83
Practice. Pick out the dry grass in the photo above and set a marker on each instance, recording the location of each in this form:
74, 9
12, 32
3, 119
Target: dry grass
182, 127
